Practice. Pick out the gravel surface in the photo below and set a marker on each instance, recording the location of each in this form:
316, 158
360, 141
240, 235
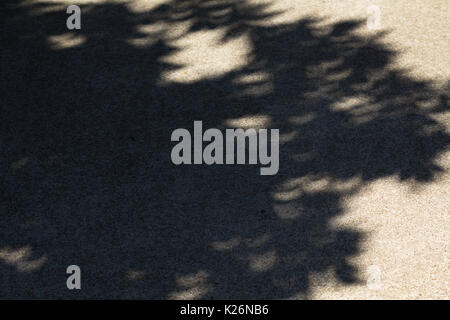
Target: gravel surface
358, 210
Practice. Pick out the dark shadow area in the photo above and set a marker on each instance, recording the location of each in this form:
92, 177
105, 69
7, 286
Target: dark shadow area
86, 175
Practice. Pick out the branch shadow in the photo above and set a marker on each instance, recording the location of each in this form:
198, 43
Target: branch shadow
87, 176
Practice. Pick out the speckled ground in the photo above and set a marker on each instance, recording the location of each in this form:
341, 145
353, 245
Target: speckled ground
358, 210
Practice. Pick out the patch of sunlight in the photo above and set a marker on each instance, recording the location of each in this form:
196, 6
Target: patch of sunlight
287, 11
258, 241
65, 2
323, 90
323, 281
254, 84
19, 163
288, 211
142, 42
149, 34
429, 104
256, 90
339, 76
348, 185
253, 78
367, 108
66, 41
20, 259
288, 195
300, 120
350, 103
263, 262
288, 137
235, 242
49, 7
145, 5
226, 245
362, 119
191, 286
247, 122
205, 56
323, 69
294, 188
135, 274
360, 108
260, 80
305, 156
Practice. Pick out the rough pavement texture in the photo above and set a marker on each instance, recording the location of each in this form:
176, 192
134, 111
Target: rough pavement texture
359, 208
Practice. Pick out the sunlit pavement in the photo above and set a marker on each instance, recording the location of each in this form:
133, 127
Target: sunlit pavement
332, 225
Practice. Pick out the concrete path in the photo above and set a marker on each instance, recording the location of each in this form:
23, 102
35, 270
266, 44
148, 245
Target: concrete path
358, 210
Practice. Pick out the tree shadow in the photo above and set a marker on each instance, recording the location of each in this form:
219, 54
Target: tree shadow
86, 152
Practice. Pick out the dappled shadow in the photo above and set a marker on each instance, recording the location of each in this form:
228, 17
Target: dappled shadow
86, 152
